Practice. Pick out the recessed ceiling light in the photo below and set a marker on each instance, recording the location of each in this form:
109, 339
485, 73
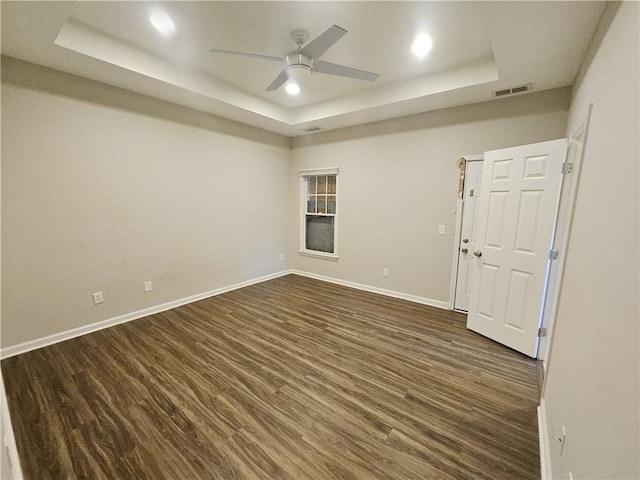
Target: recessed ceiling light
162, 22
421, 45
292, 88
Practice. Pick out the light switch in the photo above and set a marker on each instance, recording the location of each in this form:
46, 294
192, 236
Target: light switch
441, 229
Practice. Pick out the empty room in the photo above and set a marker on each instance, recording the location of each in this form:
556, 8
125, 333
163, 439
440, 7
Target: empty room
320, 240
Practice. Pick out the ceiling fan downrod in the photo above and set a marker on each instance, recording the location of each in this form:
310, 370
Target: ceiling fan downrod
299, 66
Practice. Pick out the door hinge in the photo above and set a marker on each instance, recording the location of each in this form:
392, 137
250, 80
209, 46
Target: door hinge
471, 193
542, 332
553, 254
567, 167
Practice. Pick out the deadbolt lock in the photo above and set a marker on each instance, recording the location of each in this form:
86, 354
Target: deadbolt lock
465, 240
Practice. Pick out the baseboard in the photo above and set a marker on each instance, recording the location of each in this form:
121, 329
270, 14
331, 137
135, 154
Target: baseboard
9, 441
381, 291
110, 322
545, 447
127, 317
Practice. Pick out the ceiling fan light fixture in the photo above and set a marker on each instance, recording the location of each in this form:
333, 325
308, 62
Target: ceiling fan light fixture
299, 67
162, 22
292, 88
299, 73
421, 45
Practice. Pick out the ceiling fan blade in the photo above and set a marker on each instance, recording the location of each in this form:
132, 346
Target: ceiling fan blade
324, 42
243, 54
342, 71
277, 83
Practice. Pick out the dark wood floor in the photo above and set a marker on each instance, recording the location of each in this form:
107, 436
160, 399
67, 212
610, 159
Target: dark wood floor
288, 379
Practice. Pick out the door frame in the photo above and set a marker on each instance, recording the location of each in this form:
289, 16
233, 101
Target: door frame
550, 307
458, 228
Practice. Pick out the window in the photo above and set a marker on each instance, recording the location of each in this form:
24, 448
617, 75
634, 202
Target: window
319, 199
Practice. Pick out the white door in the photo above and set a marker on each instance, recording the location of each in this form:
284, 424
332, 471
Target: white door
516, 219
467, 240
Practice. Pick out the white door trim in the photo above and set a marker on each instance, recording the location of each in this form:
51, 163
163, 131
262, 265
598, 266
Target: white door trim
543, 440
456, 235
551, 301
9, 441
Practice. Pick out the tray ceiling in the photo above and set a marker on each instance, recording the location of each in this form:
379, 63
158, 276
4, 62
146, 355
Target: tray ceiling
478, 47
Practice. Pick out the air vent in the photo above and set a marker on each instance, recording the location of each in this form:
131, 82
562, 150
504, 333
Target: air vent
312, 129
512, 90
521, 88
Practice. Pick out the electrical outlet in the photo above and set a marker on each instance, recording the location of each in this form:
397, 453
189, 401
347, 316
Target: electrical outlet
97, 298
563, 440
385, 272
282, 256
148, 286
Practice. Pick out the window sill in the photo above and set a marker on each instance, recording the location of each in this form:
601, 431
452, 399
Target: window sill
311, 253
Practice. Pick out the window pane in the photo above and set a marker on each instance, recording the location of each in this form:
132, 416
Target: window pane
320, 234
322, 184
311, 184
322, 204
331, 204
311, 204
332, 184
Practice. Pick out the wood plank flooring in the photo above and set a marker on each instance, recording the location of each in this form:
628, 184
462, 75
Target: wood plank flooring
288, 379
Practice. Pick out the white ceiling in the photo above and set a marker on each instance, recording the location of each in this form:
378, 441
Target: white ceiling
479, 47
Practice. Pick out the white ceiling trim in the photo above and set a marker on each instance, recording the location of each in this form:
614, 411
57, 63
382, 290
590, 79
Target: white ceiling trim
86, 41
471, 74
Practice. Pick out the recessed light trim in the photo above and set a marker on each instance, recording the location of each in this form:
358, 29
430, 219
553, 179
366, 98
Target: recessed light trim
292, 88
162, 22
421, 45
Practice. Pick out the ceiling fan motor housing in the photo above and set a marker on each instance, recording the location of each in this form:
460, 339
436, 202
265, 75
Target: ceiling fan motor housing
299, 67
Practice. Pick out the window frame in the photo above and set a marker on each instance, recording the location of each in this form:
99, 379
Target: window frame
304, 174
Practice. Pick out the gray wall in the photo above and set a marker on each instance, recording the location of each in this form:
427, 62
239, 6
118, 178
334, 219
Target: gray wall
593, 377
103, 189
398, 182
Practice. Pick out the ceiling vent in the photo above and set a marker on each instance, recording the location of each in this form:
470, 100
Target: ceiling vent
512, 90
312, 129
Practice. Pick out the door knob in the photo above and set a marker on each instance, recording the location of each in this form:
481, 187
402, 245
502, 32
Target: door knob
477, 253
465, 240
464, 250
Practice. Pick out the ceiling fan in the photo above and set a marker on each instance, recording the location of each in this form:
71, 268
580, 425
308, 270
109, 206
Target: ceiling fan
301, 63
